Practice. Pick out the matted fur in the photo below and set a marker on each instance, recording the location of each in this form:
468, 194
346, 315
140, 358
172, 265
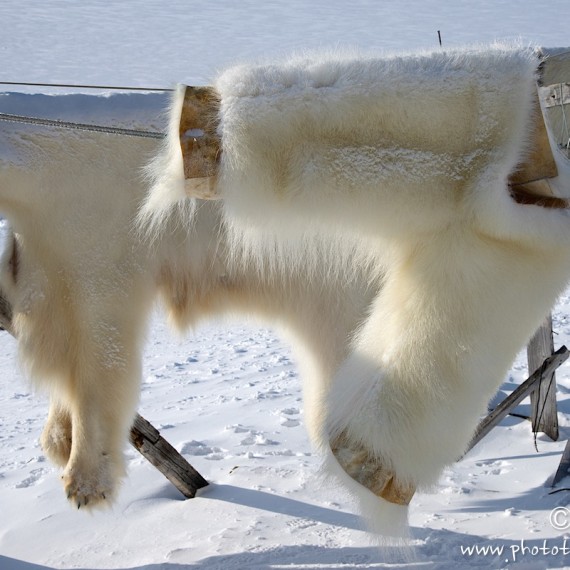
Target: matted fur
407, 158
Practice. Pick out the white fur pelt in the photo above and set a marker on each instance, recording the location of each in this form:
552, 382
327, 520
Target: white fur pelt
408, 158
80, 290
81, 285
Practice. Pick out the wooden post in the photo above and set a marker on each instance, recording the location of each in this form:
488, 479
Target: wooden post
543, 398
147, 439
564, 467
5, 315
144, 437
513, 399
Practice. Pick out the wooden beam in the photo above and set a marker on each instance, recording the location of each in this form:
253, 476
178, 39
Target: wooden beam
148, 441
564, 467
200, 141
201, 147
6, 315
543, 398
516, 397
556, 95
555, 66
529, 181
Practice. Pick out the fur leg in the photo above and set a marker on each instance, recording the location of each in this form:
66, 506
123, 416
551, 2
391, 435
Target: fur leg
103, 398
96, 463
56, 437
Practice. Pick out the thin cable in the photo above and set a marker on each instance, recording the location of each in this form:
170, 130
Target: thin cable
541, 413
84, 86
80, 126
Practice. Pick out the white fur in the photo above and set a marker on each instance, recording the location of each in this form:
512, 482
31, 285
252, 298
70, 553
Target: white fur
84, 282
407, 159
374, 145
80, 291
404, 159
414, 151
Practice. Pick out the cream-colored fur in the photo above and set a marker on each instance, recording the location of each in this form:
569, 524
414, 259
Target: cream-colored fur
81, 284
371, 195
80, 291
407, 159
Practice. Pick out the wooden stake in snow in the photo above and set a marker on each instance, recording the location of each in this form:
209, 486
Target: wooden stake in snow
564, 467
543, 397
148, 441
548, 367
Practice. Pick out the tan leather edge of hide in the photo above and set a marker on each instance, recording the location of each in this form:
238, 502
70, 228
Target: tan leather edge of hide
200, 142
201, 150
529, 182
370, 473
539, 163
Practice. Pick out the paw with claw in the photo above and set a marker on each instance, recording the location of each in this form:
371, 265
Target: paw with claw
92, 485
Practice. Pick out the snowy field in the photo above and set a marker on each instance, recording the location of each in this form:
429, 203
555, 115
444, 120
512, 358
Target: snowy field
229, 396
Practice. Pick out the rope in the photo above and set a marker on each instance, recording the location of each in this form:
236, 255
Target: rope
80, 126
84, 86
539, 419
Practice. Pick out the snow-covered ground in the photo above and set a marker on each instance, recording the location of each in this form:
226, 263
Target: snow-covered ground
229, 396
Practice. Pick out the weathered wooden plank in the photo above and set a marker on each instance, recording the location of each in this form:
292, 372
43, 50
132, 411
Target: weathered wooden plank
555, 67
543, 398
199, 141
513, 399
564, 467
6, 315
147, 439
556, 95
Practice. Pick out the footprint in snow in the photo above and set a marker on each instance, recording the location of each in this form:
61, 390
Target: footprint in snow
258, 439
32, 479
199, 448
238, 428
289, 421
